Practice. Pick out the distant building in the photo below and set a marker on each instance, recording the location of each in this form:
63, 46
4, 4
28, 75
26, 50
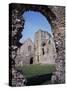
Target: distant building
26, 53
42, 51
44, 48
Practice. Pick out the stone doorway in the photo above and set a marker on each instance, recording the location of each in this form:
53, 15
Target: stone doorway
31, 60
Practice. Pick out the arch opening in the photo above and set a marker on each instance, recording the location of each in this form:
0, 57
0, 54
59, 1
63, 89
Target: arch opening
34, 20
45, 11
31, 60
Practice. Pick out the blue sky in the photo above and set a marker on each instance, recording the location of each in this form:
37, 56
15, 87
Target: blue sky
33, 22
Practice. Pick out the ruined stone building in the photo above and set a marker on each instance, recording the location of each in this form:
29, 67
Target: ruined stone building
42, 51
26, 53
45, 52
56, 17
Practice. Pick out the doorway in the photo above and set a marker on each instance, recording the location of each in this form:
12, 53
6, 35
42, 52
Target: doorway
31, 60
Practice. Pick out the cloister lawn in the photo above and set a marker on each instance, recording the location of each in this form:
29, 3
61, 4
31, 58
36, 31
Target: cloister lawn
36, 69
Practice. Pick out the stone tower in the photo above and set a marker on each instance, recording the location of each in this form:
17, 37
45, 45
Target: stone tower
45, 52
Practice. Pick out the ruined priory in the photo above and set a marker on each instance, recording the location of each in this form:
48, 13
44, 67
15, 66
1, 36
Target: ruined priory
41, 51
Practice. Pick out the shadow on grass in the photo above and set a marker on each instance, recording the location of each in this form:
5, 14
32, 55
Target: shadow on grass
39, 80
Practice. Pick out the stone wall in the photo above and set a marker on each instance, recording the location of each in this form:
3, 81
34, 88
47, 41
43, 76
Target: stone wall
16, 24
56, 17
59, 38
45, 52
25, 53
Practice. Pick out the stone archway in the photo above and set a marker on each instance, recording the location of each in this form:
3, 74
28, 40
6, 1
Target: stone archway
31, 60
57, 23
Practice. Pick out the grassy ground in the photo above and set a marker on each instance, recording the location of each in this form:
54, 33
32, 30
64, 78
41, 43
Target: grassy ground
36, 70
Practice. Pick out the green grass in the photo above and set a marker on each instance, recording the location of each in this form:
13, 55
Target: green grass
36, 69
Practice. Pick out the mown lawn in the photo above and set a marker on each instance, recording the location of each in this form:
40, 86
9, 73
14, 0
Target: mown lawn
36, 70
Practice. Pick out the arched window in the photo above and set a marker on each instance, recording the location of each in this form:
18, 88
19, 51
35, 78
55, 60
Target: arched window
43, 51
29, 48
49, 42
43, 44
38, 58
